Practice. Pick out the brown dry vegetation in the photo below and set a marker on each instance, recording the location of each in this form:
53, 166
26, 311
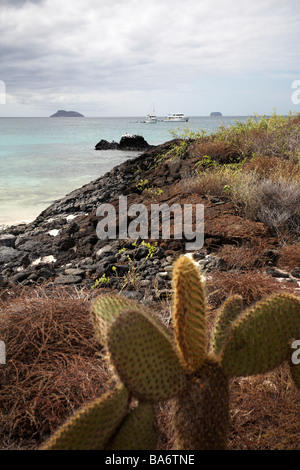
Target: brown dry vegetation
244, 256
265, 412
289, 256
251, 286
221, 152
53, 366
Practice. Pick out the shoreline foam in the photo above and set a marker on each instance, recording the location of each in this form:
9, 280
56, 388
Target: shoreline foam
14, 223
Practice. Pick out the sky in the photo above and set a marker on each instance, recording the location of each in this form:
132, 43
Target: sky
129, 58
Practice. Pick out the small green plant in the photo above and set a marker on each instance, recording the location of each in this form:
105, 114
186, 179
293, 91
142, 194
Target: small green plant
158, 159
133, 276
207, 162
152, 249
101, 281
142, 184
154, 192
152, 365
227, 189
178, 150
188, 134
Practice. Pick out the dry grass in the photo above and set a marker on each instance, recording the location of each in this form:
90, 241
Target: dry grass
250, 285
289, 256
273, 168
273, 200
278, 205
53, 365
220, 151
246, 256
257, 165
265, 412
273, 136
207, 183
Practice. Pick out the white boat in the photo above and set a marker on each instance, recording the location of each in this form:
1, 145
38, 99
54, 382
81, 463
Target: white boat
176, 117
151, 119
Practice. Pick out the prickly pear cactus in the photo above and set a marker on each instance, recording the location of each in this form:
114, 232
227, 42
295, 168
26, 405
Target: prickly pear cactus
243, 343
259, 337
144, 357
200, 413
151, 365
189, 314
229, 311
115, 420
94, 425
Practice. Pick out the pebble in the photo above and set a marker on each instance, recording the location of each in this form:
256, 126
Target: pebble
8, 240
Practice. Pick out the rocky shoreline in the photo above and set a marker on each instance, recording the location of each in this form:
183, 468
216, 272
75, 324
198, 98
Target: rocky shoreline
61, 247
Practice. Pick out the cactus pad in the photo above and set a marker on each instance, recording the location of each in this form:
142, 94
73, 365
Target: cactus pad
230, 309
259, 338
105, 309
137, 431
92, 426
144, 357
189, 313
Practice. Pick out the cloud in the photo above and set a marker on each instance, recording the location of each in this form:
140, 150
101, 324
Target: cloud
18, 3
90, 48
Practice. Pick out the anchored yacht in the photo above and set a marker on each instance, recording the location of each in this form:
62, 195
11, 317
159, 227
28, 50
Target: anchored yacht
151, 119
177, 117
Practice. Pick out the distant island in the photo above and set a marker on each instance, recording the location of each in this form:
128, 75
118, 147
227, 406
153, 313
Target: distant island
216, 113
62, 113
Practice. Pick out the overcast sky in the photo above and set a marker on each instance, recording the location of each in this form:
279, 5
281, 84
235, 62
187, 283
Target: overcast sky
122, 57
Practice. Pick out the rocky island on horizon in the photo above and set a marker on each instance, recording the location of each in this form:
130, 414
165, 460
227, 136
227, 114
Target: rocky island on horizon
63, 113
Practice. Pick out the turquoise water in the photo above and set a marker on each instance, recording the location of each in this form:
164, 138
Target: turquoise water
43, 159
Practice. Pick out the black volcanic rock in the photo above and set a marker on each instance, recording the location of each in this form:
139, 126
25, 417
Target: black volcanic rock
133, 142
62, 113
105, 145
127, 142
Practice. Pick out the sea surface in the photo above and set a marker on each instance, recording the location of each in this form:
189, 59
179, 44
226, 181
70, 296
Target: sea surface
44, 159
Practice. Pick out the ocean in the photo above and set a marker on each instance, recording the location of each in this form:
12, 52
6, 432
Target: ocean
44, 159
